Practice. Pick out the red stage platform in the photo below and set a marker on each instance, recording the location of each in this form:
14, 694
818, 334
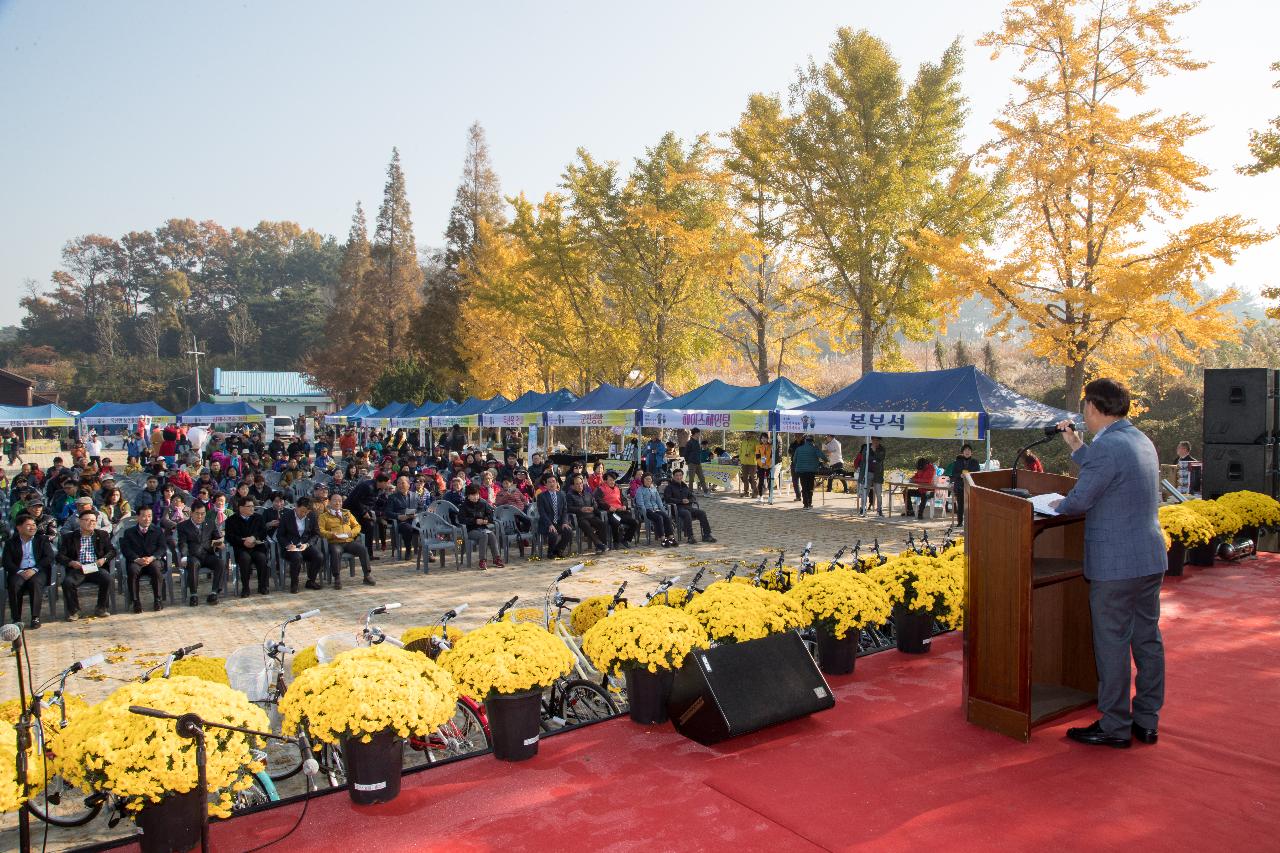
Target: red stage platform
893, 766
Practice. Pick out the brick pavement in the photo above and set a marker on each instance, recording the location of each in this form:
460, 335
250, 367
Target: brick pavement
743, 528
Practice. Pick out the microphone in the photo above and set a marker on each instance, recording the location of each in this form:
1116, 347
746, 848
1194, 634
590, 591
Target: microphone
1052, 429
10, 632
91, 661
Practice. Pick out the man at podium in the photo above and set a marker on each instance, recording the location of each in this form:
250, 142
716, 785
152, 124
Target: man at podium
1124, 562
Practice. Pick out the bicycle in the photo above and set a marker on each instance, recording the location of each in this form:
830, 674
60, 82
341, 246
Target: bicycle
467, 732
61, 803
572, 700
265, 686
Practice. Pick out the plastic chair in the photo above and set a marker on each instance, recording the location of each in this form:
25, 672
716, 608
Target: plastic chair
506, 516
435, 534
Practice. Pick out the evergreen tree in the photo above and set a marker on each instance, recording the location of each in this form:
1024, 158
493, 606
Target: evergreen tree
395, 280
990, 365
963, 357
479, 197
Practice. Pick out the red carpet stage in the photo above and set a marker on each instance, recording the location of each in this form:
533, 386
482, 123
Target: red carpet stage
893, 766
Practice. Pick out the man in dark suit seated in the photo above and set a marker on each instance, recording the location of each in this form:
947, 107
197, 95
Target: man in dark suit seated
1124, 561
299, 540
553, 517
198, 536
247, 535
681, 496
86, 555
144, 548
28, 559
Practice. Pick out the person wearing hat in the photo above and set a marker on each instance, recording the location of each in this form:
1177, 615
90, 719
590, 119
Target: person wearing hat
86, 554
73, 521
46, 524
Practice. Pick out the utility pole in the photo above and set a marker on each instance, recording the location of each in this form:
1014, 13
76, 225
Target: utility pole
195, 351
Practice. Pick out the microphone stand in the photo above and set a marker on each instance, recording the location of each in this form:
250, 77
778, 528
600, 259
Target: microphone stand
192, 726
23, 730
1036, 443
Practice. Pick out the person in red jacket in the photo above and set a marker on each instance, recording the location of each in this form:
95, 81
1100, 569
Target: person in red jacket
621, 521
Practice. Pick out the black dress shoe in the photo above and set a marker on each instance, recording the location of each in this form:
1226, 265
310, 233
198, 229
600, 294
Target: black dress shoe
369, 581
137, 606
211, 598
192, 601
35, 623
1095, 736
1145, 735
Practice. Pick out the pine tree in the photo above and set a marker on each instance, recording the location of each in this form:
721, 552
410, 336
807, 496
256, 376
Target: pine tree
479, 197
395, 279
963, 357
990, 365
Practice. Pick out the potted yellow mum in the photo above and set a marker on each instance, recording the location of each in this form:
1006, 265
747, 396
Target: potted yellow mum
509, 664
369, 700
1255, 509
590, 611
923, 590
646, 644
1185, 528
840, 604
146, 763
736, 613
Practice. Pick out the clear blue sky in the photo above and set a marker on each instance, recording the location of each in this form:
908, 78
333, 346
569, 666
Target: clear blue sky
119, 115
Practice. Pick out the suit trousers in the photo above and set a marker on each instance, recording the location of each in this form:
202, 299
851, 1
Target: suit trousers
696, 479
312, 556
211, 560
1126, 623
32, 588
153, 570
247, 559
72, 580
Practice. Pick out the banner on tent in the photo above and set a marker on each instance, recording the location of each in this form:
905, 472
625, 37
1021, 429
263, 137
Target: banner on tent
39, 422
725, 475
223, 419
125, 420
617, 417
619, 466
408, 423
455, 420
513, 421
945, 425
739, 421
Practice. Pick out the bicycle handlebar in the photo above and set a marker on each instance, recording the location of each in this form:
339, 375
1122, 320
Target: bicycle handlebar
92, 660
298, 617
502, 611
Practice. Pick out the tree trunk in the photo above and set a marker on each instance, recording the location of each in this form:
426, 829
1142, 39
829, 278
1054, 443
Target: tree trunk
659, 359
868, 347
1074, 376
762, 353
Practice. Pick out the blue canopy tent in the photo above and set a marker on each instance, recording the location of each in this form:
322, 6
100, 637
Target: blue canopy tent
468, 412
527, 409
221, 413
103, 414
608, 405
347, 413
35, 416
417, 417
718, 405
381, 419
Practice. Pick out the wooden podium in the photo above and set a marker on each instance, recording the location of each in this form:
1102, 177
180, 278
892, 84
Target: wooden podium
1028, 642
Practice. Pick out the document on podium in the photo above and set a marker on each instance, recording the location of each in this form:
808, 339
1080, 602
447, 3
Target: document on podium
1042, 503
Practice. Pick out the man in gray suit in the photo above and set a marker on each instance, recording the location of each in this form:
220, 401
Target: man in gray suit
1124, 562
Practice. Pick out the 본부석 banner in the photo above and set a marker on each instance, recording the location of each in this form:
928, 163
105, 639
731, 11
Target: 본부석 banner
945, 425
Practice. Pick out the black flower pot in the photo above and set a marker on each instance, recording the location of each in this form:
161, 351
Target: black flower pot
647, 695
373, 768
513, 723
914, 631
171, 825
1203, 555
836, 656
1177, 558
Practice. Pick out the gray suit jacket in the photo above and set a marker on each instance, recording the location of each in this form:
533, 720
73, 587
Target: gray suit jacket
1119, 492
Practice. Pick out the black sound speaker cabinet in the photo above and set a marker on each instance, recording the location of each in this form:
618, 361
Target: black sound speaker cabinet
737, 688
1237, 467
1239, 405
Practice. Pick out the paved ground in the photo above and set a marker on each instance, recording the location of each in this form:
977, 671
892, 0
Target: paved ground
743, 528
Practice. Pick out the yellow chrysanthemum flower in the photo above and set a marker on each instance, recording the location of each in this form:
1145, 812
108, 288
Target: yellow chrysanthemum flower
506, 657
651, 638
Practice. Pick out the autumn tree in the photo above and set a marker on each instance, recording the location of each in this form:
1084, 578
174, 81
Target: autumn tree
865, 163
1264, 145
1097, 266
394, 280
661, 244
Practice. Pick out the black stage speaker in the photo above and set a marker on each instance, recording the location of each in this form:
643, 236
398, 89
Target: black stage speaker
737, 688
1239, 406
1236, 467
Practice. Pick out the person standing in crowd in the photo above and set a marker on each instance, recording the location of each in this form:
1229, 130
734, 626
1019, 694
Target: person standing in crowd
750, 483
28, 560
687, 509
764, 466
477, 516
870, 468
1118, 490
1194, 472
342, 531
805, 462
692, 453
86, 555
144, 551
655, 457
553, 517
963, 462
796, 442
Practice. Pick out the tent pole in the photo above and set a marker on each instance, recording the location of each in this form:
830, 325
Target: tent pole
773, 461
866, 474
988, 445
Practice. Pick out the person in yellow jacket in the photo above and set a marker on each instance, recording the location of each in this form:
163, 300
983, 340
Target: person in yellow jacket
341, 530
764, 466
747, 461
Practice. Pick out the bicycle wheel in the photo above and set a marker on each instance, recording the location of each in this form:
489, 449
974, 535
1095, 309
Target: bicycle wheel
584, 701
60, 803
284, 758
257, 794
464, 734
333, 765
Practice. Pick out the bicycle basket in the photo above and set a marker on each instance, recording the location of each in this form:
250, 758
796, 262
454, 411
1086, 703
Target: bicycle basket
330, 646
247, 672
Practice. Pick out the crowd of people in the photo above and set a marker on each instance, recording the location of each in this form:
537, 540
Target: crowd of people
204, 500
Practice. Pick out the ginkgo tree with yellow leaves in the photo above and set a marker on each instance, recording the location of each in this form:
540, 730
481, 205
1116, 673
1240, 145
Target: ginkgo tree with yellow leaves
1095, 263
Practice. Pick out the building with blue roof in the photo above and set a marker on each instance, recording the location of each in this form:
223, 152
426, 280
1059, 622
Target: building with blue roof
285, 393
